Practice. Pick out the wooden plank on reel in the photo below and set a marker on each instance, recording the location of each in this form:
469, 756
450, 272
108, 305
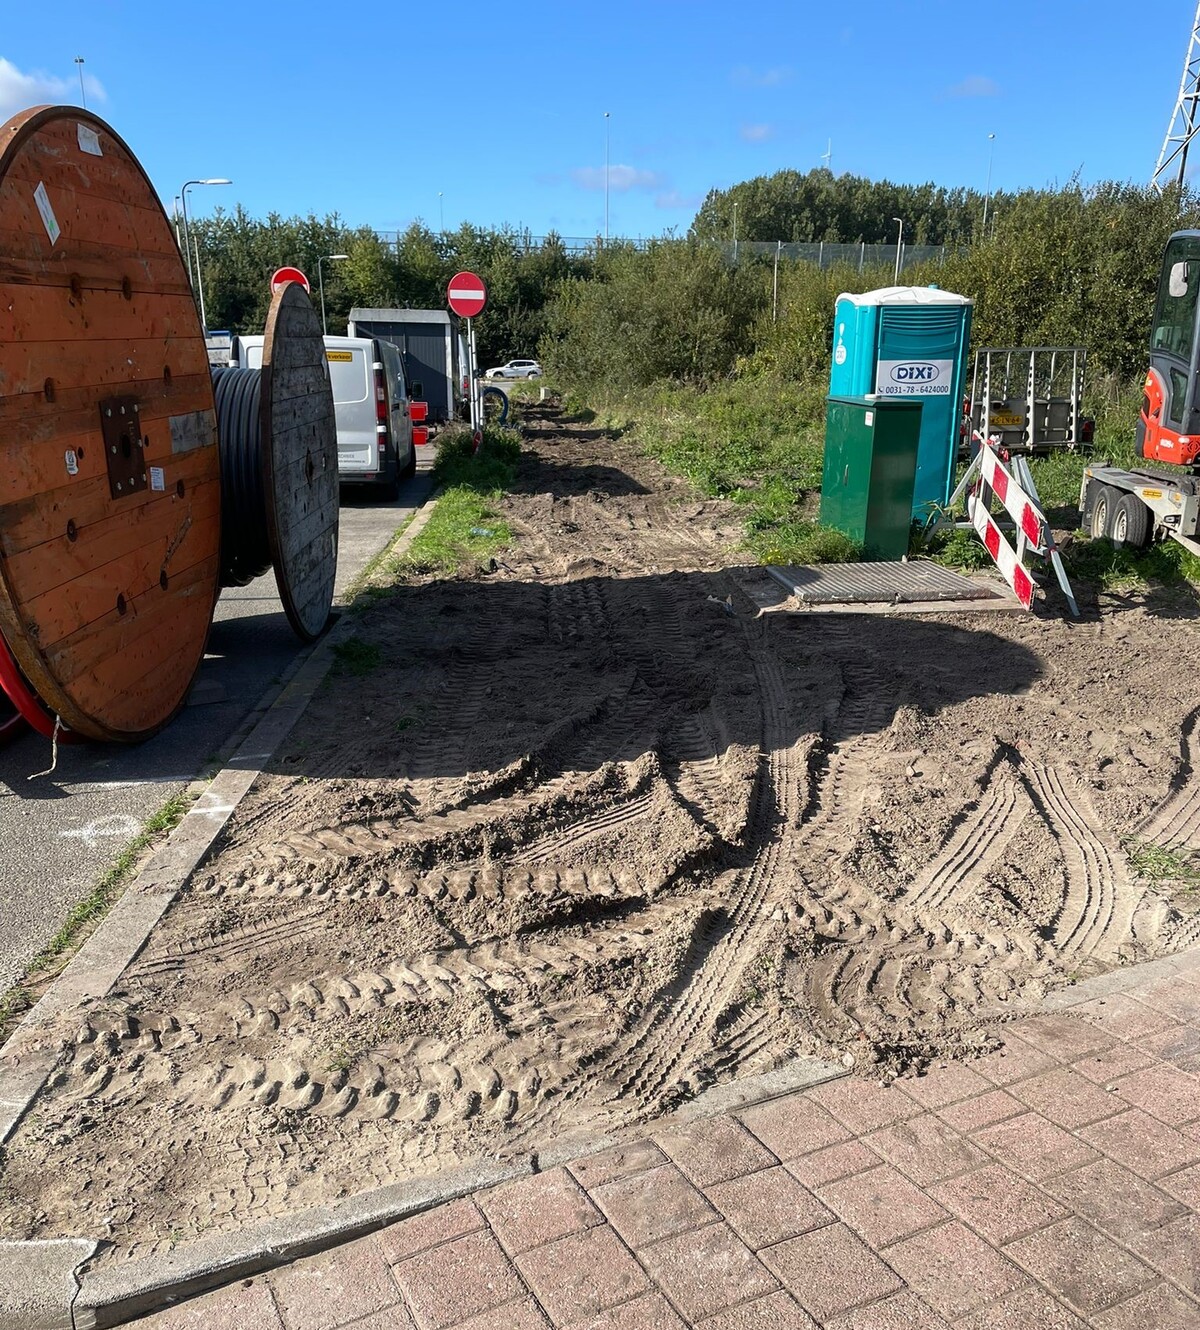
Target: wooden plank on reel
300, 467
109, 483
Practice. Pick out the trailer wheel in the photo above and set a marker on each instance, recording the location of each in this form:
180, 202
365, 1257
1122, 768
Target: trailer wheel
1130, 522
1103, 506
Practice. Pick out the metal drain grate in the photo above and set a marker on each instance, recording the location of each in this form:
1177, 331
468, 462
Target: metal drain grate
866, 583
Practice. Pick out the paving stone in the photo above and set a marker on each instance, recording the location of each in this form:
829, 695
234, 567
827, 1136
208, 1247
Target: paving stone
1065, 1097
533, 1211
955, 1271
1030, 1309
882, 1205
396, 1317
1062, 1036
582, 1275
777, 1311
621, 1160
767, 1207
441, 1224
656, 1204
1035, 1147
1158, 1308
1169, 1094
863, 1106
793, 1126
1178, 999
1081, 1266
926, 1148
707, 1271
246, 1303
943, 1085
830, 1270
1149, 1147
336, 1286
905, 1311
1177, 1044
1184, 1186
983, 1110
1118, 1201
1175, 1250
1013, 1062
997, 1203
716, 1150
1113, 1063
524, 1314
650, 1311
838, 1161
456, 1280
1123, 1016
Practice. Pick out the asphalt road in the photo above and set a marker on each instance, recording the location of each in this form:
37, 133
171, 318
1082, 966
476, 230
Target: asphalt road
60, 833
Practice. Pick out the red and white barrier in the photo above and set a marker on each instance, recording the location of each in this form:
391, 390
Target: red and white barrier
1021, 508
1003, 554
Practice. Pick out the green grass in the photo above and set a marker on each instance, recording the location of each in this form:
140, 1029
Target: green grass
465, 528
354, 656
1153, 863
91, 909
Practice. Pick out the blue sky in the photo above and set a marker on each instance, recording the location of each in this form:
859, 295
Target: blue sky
375, 111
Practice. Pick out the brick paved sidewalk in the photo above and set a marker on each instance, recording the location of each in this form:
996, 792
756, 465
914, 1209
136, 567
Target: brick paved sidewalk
1051, 1185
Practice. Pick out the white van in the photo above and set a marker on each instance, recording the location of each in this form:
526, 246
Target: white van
371, 404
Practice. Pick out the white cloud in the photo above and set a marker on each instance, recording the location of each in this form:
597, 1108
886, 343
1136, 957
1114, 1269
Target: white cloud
19, 91
757, 133
620, 178
745, 77
977, 85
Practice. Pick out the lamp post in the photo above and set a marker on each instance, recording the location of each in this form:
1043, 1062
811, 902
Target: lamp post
187, 235
735, 233
321, 281
441, 215
606, 177
82, 94
987, 194
899, 246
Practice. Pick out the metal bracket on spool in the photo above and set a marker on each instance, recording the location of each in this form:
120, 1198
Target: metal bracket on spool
124, 452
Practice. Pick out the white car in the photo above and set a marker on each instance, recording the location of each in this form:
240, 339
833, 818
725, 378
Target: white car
515, 369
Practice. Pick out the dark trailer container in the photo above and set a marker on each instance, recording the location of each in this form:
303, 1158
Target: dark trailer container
428, 342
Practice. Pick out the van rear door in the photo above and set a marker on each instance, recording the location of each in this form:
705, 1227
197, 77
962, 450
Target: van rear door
351, 375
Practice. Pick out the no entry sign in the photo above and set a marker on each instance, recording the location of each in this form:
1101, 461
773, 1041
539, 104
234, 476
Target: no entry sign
466, 295
282, 276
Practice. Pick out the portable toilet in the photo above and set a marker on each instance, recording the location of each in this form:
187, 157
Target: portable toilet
909, 343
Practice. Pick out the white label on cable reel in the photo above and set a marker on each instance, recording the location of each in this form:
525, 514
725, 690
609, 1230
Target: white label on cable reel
49, 221
89, 141
72, 461
157, 479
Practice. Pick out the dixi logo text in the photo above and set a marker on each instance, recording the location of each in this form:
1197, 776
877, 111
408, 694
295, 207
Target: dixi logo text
914, 373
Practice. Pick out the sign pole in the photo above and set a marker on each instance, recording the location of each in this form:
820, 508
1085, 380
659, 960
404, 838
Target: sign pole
471, 362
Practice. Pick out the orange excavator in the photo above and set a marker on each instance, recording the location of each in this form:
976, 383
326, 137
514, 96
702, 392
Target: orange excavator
1169, 423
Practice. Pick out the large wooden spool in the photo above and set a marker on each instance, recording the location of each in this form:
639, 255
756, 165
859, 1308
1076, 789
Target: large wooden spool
109, 488
299, 434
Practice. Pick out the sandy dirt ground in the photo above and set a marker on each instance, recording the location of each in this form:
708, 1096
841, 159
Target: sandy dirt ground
597, 834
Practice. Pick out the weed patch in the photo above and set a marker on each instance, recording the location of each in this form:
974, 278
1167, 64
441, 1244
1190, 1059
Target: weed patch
354, 656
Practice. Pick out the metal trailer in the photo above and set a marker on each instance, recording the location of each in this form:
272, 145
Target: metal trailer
1032, 397
1137, 507
428, 342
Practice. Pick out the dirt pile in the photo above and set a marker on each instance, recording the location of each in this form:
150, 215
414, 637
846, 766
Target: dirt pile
598, 834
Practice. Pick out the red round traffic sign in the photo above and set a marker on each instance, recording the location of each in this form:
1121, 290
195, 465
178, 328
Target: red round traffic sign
466, 295
282, 276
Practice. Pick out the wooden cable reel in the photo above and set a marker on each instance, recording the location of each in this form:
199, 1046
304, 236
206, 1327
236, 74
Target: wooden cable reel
110, 528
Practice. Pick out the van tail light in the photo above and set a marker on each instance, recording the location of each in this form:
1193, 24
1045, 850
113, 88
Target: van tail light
381, 406
418, 411
420, 436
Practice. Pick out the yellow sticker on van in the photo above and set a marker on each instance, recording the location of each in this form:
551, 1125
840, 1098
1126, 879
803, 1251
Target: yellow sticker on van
339, 355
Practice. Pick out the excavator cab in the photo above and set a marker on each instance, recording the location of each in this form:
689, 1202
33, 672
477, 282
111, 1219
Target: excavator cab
1169, 423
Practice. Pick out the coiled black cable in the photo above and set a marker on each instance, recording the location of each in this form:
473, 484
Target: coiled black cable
245, 548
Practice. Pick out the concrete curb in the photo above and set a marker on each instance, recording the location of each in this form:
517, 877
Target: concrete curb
38, 1282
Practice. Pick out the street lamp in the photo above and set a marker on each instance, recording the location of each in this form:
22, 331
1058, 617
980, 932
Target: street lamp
899, 246
187, 235
987, 195
82, 94
441, 215
321, 282
606, 176
735, 233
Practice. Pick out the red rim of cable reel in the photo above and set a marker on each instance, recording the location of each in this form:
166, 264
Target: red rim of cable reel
28, 705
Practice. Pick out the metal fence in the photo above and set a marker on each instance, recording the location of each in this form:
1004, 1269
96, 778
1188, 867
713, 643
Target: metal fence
823, 253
